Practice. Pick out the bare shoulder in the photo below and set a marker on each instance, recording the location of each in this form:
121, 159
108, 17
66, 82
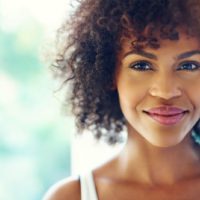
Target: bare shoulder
66, 189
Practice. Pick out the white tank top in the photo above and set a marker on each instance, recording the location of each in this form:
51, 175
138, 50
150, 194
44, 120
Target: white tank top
88, 190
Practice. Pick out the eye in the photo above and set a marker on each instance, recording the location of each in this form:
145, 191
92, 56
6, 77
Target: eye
189, 66
141, 66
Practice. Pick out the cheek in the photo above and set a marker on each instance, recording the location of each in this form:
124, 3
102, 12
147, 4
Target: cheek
131, 95
192, 93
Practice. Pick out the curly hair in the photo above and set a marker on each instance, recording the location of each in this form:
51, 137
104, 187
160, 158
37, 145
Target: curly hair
90, 40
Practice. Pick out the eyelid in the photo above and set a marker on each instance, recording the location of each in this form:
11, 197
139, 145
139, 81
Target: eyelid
190, 62
141, 61
152, 67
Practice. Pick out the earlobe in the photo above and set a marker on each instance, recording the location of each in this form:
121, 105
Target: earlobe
114, 81
113, 86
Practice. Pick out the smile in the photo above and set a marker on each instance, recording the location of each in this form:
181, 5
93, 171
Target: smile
167, 119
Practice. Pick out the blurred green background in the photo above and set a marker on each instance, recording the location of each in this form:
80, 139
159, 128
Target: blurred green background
34, 136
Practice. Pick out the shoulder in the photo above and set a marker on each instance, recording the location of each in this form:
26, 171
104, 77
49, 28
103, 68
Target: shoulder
66, 189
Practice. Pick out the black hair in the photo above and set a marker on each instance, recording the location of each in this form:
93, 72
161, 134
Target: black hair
90, 42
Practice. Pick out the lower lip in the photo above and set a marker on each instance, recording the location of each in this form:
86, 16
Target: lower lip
167, 120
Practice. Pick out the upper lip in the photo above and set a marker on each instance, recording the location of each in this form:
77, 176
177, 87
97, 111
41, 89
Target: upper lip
166, 110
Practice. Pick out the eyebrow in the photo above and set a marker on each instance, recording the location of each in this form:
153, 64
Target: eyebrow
154, 57
188, 54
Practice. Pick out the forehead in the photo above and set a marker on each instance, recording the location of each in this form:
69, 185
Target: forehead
184, 43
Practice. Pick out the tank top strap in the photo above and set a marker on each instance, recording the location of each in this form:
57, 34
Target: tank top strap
88, 189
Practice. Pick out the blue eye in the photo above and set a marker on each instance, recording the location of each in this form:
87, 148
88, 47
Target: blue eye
141, 66
189, 66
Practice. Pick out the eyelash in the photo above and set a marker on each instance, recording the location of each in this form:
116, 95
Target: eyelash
150, 68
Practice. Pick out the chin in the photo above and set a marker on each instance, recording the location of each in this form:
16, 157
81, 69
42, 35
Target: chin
166, 143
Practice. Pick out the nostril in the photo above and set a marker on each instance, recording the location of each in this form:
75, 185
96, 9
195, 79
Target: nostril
165, 91
165, 94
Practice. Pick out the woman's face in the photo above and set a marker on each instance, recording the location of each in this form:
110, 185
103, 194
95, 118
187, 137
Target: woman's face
159, 89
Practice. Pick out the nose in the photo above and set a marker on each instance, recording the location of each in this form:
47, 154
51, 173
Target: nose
165, 87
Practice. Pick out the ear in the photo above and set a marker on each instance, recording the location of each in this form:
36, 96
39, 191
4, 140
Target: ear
114, 85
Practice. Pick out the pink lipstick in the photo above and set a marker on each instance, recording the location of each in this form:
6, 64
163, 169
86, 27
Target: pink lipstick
166, 115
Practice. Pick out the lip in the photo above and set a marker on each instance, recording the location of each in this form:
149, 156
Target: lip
166, 110
166, 115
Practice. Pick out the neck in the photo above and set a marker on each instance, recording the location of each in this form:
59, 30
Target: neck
146, 163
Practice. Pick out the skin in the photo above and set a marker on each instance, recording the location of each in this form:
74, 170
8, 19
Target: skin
162, 83
158, 161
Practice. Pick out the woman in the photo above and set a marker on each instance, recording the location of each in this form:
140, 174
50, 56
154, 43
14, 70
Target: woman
135, 65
